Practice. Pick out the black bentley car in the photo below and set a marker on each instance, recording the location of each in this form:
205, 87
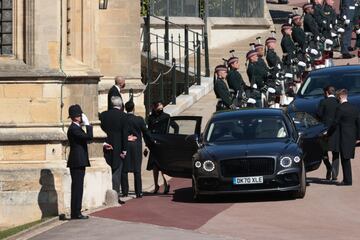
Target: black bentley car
311, 92
258, 150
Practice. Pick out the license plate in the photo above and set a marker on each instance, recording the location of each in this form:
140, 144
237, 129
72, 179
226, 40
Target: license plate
248, 180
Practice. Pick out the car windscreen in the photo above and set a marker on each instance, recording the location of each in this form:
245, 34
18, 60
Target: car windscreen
246, 128
313, 86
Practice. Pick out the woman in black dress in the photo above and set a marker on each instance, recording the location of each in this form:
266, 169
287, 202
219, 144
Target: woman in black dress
158, 123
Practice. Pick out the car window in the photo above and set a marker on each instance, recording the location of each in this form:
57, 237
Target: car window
313, 85
303, 120
248, 128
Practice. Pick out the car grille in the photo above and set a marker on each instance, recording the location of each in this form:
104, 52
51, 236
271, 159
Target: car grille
246, 167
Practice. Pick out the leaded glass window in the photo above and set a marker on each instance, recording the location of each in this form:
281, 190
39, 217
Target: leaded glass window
6, 27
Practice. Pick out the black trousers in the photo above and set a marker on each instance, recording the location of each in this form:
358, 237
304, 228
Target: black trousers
125, 183
334, 167
77, 189
116, 177
346, 167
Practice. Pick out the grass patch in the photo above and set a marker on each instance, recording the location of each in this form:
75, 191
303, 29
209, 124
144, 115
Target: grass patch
12, 231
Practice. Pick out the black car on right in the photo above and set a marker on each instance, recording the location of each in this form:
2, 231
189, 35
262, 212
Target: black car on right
311, 92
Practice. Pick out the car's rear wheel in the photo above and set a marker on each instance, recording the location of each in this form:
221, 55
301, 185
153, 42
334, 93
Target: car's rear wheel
302, 191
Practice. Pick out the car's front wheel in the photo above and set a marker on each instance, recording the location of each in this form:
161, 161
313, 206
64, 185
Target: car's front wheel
196, 196
302, 190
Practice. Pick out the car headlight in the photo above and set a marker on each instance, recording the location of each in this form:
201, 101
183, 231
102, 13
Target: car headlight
297, 159
198, 164
209, 166
285, 162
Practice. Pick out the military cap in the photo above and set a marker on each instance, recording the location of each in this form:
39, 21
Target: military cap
232, 60
251, 53
270, 40
220, 68
307, 5
296, 16
286, 26
257, 46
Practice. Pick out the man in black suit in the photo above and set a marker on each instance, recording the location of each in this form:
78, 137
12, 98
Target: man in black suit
347, 119
116, 91
114, 124
78, 157
133, 161
326, 113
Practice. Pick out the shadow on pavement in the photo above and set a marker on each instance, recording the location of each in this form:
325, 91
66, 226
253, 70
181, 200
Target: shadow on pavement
185, 195
316, 180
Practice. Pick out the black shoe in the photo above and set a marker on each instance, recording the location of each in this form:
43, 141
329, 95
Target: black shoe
80, 216
139, 195
351, 49
334, 179
166, 188
347, 55
121, 201
328, 175
344, 184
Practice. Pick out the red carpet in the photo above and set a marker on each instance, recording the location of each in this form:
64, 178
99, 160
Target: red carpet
176, 209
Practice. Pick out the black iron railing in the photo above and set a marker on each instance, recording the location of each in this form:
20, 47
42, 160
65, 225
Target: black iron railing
173, 60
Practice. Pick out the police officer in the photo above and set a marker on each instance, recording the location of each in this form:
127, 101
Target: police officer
347, 11
78, 157
234, 78
222, 92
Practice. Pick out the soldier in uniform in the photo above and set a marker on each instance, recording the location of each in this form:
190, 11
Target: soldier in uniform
273, 60
257, 75
319, 15
298, 34
234, 78
259, 48
310, 25
330, 17
225, 101
347, 11
287, 45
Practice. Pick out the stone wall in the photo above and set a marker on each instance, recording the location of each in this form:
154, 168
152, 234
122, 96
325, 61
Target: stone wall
62, 48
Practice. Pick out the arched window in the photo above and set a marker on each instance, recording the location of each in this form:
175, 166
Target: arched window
6, 28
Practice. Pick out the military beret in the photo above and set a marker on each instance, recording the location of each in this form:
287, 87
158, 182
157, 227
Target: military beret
251, 53
232, 60
220, 68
